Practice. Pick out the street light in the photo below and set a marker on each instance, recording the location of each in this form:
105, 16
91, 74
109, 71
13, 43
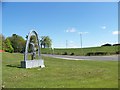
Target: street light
81, 39
66, 43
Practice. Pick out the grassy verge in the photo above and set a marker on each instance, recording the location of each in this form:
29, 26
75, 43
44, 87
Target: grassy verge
106, 50
59, 73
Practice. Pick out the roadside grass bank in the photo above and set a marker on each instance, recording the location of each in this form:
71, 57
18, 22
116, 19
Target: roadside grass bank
59, 73
91, 51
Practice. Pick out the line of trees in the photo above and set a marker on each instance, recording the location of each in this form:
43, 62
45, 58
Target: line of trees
110, 44
16, 43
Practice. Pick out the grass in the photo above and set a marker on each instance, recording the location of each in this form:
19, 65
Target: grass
59, 73
78, 51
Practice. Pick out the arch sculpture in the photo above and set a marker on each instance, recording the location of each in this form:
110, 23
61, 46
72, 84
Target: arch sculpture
32, 63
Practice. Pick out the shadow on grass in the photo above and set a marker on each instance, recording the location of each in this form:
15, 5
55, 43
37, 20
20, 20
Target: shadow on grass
16, 66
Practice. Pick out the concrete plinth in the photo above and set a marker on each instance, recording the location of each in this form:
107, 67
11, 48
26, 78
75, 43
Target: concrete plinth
32, 63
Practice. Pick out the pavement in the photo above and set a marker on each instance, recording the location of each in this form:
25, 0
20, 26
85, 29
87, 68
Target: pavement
100, 58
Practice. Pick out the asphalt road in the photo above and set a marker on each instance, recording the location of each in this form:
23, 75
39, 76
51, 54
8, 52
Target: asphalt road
101, 58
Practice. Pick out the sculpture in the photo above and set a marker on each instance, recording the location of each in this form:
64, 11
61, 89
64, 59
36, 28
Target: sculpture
32, 63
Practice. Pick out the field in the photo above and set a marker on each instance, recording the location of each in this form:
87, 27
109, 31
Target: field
106, 50
59, 73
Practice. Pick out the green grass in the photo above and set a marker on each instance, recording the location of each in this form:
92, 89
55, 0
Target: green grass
78, 51
59, 73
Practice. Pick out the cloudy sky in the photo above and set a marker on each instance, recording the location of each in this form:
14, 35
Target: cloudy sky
63, 22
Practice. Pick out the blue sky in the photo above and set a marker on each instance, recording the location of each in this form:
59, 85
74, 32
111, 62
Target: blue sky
97, 21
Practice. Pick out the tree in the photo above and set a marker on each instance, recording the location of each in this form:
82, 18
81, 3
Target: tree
18, 43
46, 42
8, 47
2, 44
42, 41
107, 44
116, 44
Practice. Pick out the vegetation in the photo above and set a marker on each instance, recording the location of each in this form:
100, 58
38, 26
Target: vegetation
107, 44
59, 73
104, 50
2, 44
16, 43
46, 42
8, 47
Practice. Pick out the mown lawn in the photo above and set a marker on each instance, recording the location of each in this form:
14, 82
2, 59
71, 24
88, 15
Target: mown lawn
59, 73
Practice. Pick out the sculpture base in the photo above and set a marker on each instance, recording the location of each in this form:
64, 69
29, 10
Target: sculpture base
32, 63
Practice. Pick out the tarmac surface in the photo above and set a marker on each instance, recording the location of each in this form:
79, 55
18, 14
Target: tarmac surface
100, 58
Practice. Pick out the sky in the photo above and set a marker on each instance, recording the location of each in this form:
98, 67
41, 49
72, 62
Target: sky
63, 22
60, 0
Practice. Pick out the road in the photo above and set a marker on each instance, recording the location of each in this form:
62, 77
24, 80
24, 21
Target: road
101, 58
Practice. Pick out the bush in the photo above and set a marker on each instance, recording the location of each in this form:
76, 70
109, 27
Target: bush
118, 52
90, 54
100, 53
107, 44
96, 53
9, 50
116, 44
65, 53
72, 54
58, 53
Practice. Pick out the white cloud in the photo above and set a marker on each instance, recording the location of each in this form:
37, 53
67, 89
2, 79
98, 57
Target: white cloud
71, 30
116, 32
103, 27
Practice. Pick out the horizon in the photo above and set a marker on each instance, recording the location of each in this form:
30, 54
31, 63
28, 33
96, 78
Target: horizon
97, 22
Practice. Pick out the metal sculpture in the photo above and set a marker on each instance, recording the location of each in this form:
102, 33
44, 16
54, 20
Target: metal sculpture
33, 55
32, 63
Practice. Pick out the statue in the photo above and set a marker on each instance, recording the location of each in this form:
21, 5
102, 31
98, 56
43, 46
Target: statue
32, 63
33, 55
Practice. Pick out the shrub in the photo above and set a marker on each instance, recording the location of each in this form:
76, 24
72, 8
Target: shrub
58, 53
65, 53
118, 52
116, 44
90, 54
100, 53
107, 44
96, 53
72, 54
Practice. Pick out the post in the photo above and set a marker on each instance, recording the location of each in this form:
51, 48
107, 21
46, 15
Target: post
66, 43
81, 39
81, 42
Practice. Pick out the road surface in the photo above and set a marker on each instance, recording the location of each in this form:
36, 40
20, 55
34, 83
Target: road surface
101, 58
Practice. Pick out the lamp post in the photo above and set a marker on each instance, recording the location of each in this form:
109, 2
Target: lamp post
81, 39
81, 42
66, 43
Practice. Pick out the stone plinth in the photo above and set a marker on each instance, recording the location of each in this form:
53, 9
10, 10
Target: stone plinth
32, 63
